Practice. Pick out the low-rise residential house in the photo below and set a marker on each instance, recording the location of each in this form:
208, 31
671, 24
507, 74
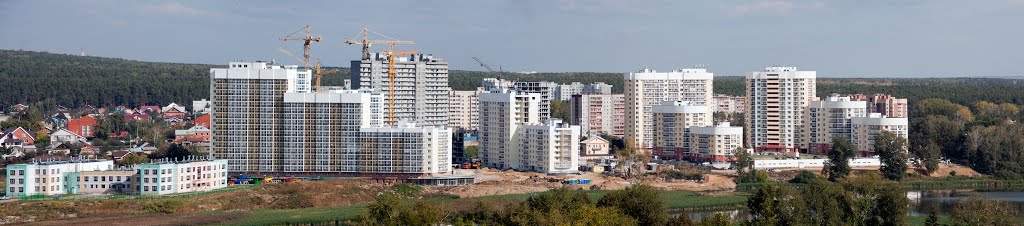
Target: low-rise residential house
66, 136
202, 120
173, 113
17, 137
143, 148
117, 156
17, 153
595, 148
154, 109
84, 126
136, 116
19, 107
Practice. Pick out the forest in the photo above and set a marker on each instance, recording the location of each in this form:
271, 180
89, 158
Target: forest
48, 80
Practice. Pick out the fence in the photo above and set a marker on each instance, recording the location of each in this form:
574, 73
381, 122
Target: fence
134, 196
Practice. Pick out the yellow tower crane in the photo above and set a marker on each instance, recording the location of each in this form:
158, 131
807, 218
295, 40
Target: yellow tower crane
367, 43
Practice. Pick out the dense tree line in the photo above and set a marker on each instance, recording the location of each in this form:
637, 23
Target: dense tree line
988, 138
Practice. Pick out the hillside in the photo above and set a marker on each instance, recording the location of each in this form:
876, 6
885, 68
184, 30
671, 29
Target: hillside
47, 80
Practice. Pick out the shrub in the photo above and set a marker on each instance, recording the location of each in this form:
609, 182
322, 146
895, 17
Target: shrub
642, 202
162, 206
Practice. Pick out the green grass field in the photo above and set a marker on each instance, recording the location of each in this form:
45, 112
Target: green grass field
674, 200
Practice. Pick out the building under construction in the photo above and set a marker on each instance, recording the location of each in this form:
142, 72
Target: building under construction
420, 85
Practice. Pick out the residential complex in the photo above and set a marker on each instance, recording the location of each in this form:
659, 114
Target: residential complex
463, 109
293, 131
564, 92
777, 100
545, 90
672, 121
647, 88
714, 143
420, 86
831, 118
884, 104
728, 104
513, 137
101, 177
598, 113
865, 129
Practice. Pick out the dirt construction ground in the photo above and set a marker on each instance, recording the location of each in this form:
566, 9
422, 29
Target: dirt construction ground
496, 182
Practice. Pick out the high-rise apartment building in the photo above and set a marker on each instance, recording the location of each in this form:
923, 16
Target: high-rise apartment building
564, 92
513, 137
421, 86
246, 100
598, 113
463, 109
831, 118
672, 121
321, 130
728, 104
865, 129
715, 143
885, 104
403, 150
546, 90
647, 88
777, 100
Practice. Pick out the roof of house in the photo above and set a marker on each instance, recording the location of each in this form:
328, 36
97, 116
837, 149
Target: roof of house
150, 108
12, 130
593, 139
173, 106
119, 154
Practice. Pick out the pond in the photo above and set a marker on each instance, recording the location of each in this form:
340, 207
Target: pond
923, 202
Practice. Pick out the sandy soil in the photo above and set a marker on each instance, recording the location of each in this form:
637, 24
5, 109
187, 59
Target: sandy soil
495, 182
944, 170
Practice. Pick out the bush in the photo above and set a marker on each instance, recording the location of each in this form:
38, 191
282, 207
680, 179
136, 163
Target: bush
683, 175
162, 206
803, 177
642, 202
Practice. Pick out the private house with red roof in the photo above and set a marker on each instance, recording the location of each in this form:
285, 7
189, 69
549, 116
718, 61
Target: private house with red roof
202, 120
173, 110
84, 126
118, 155
19, 107
16, 137
154, 109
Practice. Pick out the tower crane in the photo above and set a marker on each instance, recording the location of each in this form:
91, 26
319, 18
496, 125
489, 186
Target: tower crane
499, 73
391, 81
317, 72
367, 42
308, 41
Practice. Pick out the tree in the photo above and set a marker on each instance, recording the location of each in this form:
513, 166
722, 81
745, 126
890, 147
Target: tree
838, 165
471, 152
632, 160
804, 177
177, 152
133, 159
560, 110
933, 218
763, 205
743, 160
891, 149
719, 219
980, 210
929, 157
639, 201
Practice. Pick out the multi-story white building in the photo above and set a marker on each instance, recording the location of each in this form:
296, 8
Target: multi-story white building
672, 120
552, 148
545, 90
564, 92
598, 113
865, 129
246, 100
728, 104
715, 143
777, 100
647, 88
502, 111
885, 104
115, 181
189, 175
321, 130
421, 86
831, 118
403, 150
463, 109
50, 178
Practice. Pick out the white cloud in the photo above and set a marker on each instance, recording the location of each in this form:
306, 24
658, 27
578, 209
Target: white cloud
774, 7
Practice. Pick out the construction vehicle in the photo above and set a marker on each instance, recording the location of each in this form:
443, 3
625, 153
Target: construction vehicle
474, 164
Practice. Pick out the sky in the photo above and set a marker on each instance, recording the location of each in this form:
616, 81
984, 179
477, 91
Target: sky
840, 38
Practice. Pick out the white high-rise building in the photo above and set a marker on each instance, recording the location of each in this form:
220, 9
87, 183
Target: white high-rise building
321, 130
246, 100
546, 90
464, 109
777, 100
421, 86
564, 92
865, 129
402, 150
513, 137
647, 88
672, 121
598, 113
715, 143
831, 118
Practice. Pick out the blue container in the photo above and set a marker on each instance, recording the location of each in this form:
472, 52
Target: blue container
584, 181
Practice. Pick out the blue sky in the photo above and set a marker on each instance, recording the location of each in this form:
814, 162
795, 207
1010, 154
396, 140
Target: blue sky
865, 38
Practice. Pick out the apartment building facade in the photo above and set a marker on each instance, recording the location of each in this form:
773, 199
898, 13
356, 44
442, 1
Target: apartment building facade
190, 175
564, 92
865, 129
51, 177
552, 147
831, 118
599, 113
647, 88
421, 86
246, 100
728, 104
885, 104
463, 106
672, 121
403, 150
715, 143
545, 90
502, 111
777, 100
321, 130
